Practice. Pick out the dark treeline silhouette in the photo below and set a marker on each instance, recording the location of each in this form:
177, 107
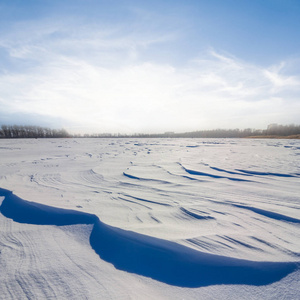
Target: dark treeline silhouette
282, 130
19, 131
273, 131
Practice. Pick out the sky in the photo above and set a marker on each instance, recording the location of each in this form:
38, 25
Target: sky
132, 66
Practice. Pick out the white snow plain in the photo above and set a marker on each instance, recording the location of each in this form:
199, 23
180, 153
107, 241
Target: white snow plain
149, 219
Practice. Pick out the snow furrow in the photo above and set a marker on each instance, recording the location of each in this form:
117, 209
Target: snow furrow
163, 230
144, 255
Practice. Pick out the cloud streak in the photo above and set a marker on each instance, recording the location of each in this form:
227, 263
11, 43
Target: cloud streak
96, 79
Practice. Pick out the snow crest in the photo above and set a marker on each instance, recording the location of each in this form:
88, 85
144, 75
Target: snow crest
159, 259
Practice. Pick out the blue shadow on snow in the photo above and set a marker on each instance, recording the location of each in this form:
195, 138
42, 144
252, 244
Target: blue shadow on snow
161, 260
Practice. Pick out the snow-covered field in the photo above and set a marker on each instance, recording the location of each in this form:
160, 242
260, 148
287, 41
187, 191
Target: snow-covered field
149, 219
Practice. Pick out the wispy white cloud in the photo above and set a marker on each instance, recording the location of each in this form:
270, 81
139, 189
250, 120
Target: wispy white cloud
95, 78
37, 41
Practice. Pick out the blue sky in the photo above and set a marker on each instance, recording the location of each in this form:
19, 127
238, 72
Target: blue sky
149, 66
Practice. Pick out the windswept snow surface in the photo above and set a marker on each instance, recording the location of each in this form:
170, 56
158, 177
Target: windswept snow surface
149, 219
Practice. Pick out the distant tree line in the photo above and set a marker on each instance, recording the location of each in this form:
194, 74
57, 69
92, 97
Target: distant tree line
282, 130
273, 130
19, 131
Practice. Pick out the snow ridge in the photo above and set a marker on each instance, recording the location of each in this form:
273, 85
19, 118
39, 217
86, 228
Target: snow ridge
159, 259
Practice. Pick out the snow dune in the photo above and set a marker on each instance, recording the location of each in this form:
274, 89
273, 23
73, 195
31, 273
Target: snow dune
149, 219
23, 211
159, 259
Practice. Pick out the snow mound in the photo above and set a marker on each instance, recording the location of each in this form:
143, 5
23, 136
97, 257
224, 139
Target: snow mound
23, 211
161, 260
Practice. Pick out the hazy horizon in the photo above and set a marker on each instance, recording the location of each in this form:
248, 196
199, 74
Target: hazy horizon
151, 67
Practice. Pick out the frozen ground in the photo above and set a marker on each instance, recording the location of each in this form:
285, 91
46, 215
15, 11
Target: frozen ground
149, 219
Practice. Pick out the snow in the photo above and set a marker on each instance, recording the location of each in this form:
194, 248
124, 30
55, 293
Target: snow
149, 219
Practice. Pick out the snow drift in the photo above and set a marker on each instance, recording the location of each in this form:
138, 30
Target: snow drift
161, 260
